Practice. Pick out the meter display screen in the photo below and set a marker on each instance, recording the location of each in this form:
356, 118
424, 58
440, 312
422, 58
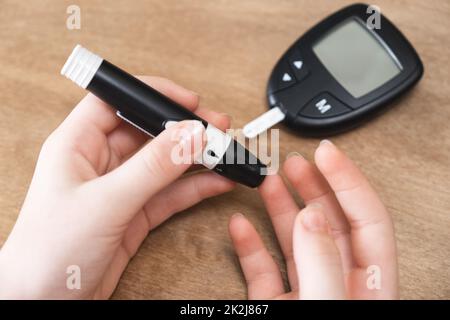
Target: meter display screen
356, 58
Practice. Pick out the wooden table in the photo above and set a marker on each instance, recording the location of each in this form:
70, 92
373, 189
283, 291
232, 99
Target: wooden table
225, 51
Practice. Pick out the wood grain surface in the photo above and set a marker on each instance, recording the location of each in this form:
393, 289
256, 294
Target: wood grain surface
225, 50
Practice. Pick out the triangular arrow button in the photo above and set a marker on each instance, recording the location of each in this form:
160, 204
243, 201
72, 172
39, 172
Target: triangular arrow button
298, 64
287, 77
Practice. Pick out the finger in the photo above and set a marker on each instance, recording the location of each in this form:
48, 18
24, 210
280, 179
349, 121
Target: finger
126, 139
221, 121
187, 99
282, 211
91, 113
194, 189
128, 187
312, 187
180, 195
185, 193
372, 232
261, 273
317, 257
174, 91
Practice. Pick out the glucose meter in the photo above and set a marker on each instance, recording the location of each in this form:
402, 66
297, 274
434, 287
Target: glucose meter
339, 74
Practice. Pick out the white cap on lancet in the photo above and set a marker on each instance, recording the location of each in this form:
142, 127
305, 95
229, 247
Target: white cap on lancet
81, 66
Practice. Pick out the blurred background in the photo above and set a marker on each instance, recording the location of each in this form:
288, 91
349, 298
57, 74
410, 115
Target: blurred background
225, 50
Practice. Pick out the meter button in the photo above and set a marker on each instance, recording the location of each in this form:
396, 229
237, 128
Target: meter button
324, 106
282, 77
298, 65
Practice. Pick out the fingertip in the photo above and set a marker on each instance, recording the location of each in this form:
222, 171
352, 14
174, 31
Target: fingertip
327, 156
293, 167
178, 93
294, 154
313, 218
244, 236
221, 121
238, 227
338, 169
184, 96
225, 120
261, 273
316, 257
189, 99
291, 162
309, 221
237, 215
305, 177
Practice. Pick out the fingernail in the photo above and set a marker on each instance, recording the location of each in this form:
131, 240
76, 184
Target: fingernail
313, 218
170, 124
237, 215
325, 141
194, 93
271, 171
195, 128
191, 134
294, 154
314, 205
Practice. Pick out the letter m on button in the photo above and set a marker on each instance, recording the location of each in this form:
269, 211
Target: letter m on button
323, 106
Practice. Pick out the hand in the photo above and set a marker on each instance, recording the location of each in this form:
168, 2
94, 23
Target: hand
330, 246
97, 190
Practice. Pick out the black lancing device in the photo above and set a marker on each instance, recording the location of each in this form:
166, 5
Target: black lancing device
150, 111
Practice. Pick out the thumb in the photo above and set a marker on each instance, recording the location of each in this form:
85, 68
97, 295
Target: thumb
164, 159
316, 257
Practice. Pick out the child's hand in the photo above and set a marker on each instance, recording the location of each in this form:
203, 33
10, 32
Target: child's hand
95, 196
340, 246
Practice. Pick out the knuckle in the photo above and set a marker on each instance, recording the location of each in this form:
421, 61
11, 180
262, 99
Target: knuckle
197, 190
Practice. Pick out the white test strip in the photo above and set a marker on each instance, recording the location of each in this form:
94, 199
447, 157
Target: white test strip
263, 122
